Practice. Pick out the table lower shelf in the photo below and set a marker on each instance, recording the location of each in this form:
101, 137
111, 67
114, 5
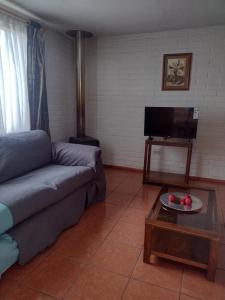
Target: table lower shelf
181, 260
164, 178
180, 247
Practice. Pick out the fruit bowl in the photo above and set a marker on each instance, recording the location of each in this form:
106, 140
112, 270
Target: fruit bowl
179, 200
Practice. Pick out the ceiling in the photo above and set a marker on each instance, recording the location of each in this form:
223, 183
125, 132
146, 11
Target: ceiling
104, 17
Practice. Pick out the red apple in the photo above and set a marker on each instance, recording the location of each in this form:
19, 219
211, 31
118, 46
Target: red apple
181, 201
172, 198
187, 200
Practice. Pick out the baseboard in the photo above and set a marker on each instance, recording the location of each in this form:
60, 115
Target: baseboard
205, 179
123, 168
195, 178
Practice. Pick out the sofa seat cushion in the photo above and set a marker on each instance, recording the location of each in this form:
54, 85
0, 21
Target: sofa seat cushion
29, 194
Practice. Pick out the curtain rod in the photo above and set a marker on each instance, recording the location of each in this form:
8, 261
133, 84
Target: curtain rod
20, 13
24, 15
11, 14
20, 18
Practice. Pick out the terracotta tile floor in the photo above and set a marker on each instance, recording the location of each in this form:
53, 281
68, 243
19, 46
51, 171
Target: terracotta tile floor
101, 257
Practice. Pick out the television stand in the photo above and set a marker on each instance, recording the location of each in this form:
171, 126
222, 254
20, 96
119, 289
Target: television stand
163, 177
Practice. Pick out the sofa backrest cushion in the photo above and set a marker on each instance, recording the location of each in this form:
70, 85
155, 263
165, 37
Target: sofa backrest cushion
22, 152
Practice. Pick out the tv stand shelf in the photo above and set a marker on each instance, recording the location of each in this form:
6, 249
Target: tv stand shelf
163, 177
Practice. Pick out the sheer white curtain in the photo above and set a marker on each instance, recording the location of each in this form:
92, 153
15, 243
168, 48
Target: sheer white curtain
14, 104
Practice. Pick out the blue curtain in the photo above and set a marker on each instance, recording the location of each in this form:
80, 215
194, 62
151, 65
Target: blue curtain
37, 91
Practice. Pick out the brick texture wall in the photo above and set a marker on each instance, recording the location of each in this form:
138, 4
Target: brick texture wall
60, 79
124, 74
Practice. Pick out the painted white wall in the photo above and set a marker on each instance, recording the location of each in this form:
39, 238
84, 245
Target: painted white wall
124, 74
60, 78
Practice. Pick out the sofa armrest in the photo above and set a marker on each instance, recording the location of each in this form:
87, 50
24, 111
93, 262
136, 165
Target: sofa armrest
75, 154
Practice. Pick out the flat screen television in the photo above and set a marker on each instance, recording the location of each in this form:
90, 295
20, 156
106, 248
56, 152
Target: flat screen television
175, 122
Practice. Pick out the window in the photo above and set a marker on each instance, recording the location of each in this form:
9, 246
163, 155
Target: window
14, 104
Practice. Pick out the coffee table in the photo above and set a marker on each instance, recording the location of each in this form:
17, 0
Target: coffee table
190, 238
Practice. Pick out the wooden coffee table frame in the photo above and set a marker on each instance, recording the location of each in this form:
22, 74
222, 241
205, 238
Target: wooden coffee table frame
151, 223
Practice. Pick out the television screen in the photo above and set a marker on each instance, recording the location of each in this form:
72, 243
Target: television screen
177, 122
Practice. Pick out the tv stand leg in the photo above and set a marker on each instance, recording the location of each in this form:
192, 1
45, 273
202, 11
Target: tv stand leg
188, 163
149, 149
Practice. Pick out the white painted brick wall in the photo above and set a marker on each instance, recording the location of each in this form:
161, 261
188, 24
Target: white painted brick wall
124, 74
60, 79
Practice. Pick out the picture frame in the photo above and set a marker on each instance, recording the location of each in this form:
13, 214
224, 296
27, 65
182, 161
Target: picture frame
176, 71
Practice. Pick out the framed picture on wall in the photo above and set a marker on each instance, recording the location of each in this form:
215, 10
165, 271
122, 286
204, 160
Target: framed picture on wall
176, 71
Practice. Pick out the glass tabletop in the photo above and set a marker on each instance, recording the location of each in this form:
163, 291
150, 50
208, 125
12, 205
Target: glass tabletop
206, 219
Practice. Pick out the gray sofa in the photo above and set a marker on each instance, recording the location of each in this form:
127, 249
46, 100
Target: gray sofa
44, 188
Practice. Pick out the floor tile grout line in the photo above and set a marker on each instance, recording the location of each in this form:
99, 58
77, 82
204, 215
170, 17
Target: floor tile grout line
122, 194
116, 185
119, 220
123, 182
96, 266
48, 294
145, 282
97, 248
75, 280
195, 298
181, 283
126, 244
89, 263
20, 280
131, 193
116, 222
92, 265
109, 192
93, 254
130, 275
23, 285
156, 285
